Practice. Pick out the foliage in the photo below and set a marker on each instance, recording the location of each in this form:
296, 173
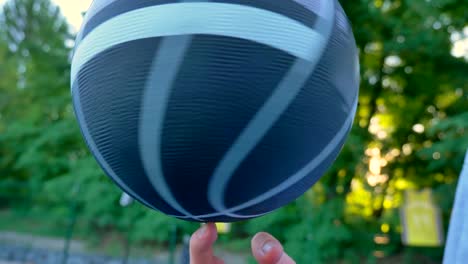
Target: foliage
409, 132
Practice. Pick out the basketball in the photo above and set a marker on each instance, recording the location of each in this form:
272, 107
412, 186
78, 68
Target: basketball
220, 110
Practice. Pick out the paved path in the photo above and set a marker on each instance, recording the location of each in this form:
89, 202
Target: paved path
24, 255
18, 248
13, 238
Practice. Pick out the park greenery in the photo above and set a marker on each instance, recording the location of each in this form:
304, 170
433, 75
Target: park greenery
410, 132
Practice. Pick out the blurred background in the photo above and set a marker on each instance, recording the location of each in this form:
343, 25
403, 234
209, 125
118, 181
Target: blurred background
410, 134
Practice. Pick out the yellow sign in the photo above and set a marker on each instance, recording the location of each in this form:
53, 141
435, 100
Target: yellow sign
421, 220
223, 228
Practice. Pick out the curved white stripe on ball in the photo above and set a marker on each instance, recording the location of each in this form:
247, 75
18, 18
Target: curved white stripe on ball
312, 165
95, 7
163, 72
204, 217
245, 22
98, 156
260, 124
313, 5
301, 174
265, 118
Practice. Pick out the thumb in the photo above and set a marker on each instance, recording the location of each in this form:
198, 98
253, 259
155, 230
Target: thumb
268, 250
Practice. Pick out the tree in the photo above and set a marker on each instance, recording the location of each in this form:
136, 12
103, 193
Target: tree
35, 123
409, 131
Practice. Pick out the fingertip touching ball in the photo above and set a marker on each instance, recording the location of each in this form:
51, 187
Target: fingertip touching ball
219, 110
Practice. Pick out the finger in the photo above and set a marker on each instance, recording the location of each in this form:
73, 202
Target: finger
201, 245
267, 250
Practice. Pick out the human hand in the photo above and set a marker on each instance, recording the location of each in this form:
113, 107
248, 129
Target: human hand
265, 248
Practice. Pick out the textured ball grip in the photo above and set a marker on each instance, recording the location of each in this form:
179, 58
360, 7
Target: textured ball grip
215, 110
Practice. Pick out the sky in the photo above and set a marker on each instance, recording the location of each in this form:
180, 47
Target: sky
71, 9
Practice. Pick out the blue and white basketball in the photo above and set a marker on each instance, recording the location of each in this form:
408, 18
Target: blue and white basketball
215, 110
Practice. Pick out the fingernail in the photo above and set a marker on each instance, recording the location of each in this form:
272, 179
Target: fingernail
201, 233
267, 247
